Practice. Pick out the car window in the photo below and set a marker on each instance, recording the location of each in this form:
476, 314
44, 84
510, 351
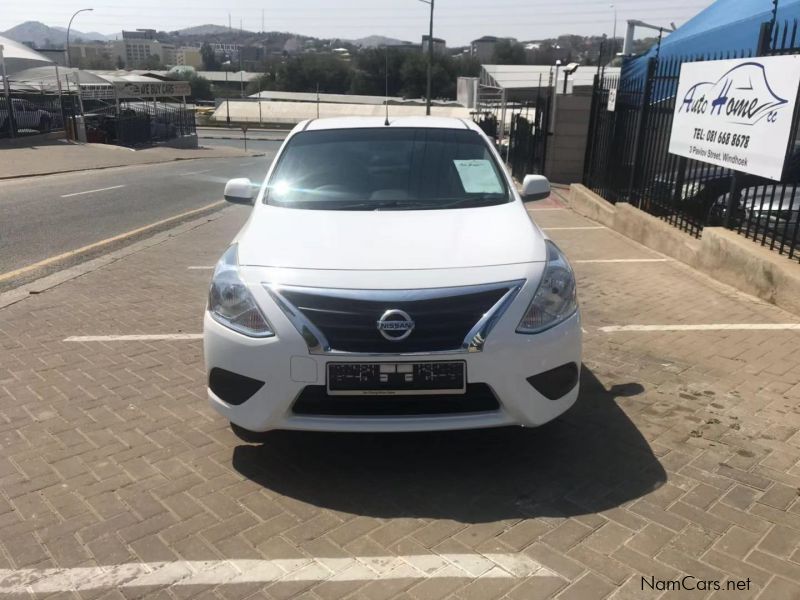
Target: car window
388, 169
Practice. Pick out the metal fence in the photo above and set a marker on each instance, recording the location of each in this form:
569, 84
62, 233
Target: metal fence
627, 158
137, 122
527, 140
32, 114
524, 145
487, 122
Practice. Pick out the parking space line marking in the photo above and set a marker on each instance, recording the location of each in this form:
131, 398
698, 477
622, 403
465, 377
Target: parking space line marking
113, 187
201, 268
238, 571
623, 260
707, 327
573, 228
135, 338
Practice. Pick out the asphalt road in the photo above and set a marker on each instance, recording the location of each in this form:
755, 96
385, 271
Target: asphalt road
41, 217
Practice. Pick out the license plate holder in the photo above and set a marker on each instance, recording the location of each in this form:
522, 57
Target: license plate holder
396, 378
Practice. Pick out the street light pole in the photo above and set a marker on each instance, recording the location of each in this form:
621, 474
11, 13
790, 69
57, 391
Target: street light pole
227, 96
430, 59
69, 26
614, 36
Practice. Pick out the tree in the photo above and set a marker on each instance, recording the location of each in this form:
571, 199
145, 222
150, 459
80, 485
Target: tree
151, 63
201, 87
103, 62
263, 83
210, 60
303, 73
369, 72
509, 52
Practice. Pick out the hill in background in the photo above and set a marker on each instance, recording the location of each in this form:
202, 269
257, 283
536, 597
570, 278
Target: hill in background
42, 35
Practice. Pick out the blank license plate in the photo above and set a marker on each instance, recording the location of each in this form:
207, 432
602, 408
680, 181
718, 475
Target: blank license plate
403, 378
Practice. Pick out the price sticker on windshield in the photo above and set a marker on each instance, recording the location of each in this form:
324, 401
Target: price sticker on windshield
478, 176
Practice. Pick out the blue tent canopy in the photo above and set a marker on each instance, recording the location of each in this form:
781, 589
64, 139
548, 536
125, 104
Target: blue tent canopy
725, 26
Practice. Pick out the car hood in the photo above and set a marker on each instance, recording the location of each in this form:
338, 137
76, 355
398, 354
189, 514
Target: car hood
389, 240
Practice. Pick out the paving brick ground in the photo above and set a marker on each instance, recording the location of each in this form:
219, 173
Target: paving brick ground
682, 456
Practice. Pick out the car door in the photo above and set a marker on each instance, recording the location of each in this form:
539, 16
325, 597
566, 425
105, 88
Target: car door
23, 114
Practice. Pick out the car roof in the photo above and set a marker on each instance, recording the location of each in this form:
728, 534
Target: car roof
377, 122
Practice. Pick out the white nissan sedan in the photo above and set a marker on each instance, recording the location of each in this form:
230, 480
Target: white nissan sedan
389, 279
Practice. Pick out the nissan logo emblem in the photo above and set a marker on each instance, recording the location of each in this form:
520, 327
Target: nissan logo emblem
395, 325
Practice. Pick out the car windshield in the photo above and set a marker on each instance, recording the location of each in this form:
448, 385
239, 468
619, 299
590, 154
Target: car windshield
386, 169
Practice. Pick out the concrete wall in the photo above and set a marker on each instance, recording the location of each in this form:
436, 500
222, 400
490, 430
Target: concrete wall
722, 254
566, 148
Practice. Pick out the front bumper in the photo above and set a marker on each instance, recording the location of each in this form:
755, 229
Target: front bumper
285, 366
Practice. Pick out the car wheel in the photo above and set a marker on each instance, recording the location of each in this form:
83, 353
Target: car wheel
44, 125
251, 437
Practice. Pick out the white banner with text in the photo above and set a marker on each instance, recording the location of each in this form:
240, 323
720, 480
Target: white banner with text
737, 113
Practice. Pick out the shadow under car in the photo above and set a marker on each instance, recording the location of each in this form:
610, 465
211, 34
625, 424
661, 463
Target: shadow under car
591, 459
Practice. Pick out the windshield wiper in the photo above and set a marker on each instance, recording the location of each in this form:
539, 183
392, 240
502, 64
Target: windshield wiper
461, 202
405, 204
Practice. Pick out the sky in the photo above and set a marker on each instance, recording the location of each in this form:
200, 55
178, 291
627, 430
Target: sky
457, 21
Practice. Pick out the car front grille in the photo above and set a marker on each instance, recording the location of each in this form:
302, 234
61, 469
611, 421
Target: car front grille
314, 400
346, 321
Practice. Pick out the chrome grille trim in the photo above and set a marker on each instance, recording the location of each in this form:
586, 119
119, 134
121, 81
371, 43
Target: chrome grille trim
318, 343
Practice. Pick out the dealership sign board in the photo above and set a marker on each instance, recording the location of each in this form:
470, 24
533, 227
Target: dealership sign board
737, 113
155, 89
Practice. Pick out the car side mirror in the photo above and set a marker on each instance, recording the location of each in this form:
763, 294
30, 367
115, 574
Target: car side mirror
240, 191
535, 187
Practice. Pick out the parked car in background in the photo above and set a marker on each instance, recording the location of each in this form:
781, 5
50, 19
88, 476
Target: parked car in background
26, 115
771, 210
698, 196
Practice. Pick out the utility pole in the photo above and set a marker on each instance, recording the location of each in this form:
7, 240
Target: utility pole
7, 92
614, 36
430, 58
227, 96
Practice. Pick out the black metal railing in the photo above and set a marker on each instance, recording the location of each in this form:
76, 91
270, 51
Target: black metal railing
487, 122
527, 140
627, 157
137, 123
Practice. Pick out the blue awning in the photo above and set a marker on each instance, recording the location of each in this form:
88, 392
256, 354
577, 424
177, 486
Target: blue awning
725, 26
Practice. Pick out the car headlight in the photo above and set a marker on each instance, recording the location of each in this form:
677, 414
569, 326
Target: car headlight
556, 298
231, 303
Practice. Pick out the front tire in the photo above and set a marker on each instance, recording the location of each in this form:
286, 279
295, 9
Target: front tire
44, 125
251, 437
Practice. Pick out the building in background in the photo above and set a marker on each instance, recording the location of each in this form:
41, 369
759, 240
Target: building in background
141, 49
226, 51
57, 55
252, 57
439, 45
95, 55
483, 48
186, 56
168, 55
